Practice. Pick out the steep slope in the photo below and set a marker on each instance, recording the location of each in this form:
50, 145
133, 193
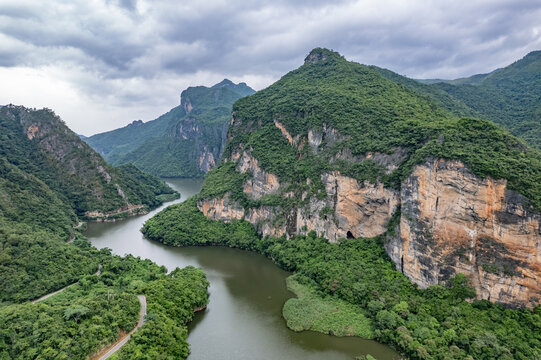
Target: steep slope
185, 142
334, 147
38, 143
510, 96
44, 173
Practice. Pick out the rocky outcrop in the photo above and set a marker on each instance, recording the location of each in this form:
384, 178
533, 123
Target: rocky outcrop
188, 128
290, 139
261, 183
206, 160
455, 222
223, 209
351, 209
32, 131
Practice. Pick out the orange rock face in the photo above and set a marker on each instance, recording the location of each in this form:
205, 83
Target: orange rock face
32, 131
261, 183
452, 221
351, 209
455, 222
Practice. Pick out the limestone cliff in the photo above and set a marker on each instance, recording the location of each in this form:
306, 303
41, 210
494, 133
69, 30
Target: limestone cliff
455, 222
452, 221
339, 149
187, 141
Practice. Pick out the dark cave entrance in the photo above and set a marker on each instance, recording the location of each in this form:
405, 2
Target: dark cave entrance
349, 235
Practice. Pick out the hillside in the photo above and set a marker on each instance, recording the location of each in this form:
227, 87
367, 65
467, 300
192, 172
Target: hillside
371, 189
37, 142
49, 180
185, 142
510, 96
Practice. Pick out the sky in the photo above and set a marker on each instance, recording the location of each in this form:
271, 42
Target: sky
101, 64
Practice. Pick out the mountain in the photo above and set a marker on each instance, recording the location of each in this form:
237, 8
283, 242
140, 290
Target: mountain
185, 142
49, 181
510, 96
39, 144
372, 191
336, 148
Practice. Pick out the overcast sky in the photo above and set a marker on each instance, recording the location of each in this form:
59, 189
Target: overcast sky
101, 64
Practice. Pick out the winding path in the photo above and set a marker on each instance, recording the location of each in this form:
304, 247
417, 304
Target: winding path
120, 343
64, 288
51, 294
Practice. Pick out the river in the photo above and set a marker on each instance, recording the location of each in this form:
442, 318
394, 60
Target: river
247, 291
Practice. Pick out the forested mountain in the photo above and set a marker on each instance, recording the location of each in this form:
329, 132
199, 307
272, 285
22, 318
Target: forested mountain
49, 179
37, 142
381, 193
510, 96
185, 142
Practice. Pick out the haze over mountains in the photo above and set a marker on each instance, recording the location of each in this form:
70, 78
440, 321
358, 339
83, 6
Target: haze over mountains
185, 142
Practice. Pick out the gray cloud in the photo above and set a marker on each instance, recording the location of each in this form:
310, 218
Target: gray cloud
137, 55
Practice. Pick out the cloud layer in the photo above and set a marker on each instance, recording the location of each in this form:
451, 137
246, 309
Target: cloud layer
103, 63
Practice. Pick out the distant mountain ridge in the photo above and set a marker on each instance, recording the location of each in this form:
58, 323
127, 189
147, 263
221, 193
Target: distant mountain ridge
187, 141
509, 96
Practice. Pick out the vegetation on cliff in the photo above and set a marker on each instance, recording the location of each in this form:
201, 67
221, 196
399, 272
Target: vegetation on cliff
510, 96
184, 142
436, 323
38, 143
357, 111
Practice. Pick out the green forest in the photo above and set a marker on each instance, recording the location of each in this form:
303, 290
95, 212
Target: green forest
43, 250
78, 176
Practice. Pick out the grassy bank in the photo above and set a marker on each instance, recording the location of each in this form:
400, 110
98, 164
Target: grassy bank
314, 311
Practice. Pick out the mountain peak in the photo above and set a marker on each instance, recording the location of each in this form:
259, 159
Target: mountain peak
224, 82
321, 54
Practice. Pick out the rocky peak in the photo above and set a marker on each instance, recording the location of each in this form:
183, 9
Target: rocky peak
136, 123
321, 54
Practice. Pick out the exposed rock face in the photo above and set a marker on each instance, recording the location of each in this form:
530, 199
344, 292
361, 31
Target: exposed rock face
206, 160
351, 209
221, 209
451, 222
292, 140
32, 131
205, 141
261, 183
188, 128
455, 222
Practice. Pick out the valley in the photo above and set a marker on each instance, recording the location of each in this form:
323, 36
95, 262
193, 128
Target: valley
343, 212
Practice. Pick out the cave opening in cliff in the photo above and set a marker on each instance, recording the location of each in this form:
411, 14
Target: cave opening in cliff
349, 235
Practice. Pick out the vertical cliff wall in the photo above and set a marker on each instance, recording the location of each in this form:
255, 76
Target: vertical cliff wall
455, 222
452, 221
